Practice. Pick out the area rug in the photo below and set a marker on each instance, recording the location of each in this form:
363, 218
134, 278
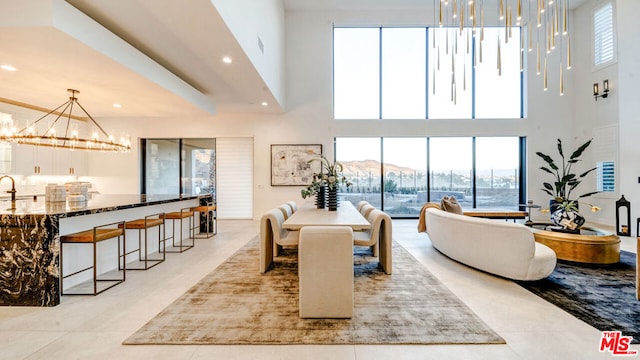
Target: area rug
235, 304
603, 296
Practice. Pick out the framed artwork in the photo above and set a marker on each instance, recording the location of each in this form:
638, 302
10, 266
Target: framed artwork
290, 164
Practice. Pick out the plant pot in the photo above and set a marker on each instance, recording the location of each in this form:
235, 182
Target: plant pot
320, 197
332, 199
567, 219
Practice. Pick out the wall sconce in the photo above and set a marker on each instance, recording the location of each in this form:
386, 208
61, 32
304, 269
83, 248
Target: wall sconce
605, 91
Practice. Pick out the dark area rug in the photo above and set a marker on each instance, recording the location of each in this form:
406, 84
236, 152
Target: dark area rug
603, 296
235, 304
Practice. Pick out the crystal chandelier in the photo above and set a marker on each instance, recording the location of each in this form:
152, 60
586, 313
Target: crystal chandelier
71, 137
543, 24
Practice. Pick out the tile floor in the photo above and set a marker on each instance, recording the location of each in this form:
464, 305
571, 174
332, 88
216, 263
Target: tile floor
88, 327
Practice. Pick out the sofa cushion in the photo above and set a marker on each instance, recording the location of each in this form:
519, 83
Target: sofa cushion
450, 204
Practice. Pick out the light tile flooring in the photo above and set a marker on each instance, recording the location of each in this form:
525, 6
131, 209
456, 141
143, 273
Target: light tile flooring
88, 327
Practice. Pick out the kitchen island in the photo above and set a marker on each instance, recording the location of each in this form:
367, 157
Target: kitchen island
30, 238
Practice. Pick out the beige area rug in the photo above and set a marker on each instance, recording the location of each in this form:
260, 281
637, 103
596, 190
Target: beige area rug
235, 304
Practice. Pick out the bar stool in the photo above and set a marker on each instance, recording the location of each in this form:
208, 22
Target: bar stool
211, 219
93, 237
184, 213
149, 221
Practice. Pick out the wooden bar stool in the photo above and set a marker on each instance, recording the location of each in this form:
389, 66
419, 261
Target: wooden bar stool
180, 216
150, 221
93, 237
211, 224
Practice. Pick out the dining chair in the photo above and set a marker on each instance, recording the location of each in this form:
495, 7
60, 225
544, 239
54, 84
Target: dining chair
273, 237
361, 204
379, 238
293, 206
286, 210
370, 237
366, 210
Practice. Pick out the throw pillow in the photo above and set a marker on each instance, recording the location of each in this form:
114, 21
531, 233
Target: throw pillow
450, 204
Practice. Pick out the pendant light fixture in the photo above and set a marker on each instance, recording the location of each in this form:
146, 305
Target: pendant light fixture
544, 25
66, 131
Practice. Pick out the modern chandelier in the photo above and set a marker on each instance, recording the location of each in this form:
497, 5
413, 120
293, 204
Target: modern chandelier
543, 24
71, 137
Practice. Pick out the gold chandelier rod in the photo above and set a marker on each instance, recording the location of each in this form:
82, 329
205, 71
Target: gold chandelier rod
37, 108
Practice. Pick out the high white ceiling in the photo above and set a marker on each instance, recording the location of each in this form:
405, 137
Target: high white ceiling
154, 57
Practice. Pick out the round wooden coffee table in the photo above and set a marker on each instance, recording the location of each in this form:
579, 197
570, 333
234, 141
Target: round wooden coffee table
592, 245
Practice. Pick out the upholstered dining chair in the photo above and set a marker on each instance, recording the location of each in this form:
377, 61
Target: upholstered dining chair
371, 236
286, 210
378, 238
273, 237
366, 210
293, 206
361, 204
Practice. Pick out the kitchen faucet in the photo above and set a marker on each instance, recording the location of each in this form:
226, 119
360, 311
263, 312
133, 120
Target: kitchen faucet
12, 191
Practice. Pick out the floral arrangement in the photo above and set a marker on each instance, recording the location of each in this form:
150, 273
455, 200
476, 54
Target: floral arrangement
330, 176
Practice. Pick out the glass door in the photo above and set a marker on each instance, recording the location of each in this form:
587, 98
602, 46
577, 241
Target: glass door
198, 166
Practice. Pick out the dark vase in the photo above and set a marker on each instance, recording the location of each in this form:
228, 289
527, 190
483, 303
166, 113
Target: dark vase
332, 199
566, 220
320, 197
555, 205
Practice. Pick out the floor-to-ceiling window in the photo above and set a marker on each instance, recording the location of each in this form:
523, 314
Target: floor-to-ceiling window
450, 169
427, 73
497, 172
405, 174
400, 174
361, 159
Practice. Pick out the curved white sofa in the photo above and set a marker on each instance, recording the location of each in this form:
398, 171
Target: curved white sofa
497, 247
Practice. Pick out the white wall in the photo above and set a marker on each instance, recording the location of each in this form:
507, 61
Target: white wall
249, 20
619, 109
309, 118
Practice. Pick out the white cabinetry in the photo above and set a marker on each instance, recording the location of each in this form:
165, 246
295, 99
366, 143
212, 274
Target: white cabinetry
32, 160
67, 162
43, 160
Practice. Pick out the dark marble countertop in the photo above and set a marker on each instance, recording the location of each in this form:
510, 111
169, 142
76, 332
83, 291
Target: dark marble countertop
95, 204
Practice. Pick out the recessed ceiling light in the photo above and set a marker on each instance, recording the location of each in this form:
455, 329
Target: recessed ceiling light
7, 67
117, 106
227, 60
264, 103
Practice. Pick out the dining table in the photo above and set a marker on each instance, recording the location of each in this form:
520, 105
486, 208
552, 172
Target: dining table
309, 215
346, 215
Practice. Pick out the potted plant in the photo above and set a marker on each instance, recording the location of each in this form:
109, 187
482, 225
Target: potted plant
330, 177
565, 181
316, 188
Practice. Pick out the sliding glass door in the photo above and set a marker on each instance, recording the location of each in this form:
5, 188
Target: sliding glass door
178, 166
198, 166
161, 167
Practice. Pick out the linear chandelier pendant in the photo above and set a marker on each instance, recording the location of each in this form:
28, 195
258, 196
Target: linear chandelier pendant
549, 18
99, 139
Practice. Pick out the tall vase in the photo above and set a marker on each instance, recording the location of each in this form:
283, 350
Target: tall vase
320, 197
332, 199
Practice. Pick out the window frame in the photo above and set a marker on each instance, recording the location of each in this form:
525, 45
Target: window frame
472, 87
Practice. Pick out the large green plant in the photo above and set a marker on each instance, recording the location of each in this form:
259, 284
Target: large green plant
565, 180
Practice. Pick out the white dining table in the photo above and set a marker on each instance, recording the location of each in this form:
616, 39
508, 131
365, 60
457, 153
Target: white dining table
345, 215
309, 215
